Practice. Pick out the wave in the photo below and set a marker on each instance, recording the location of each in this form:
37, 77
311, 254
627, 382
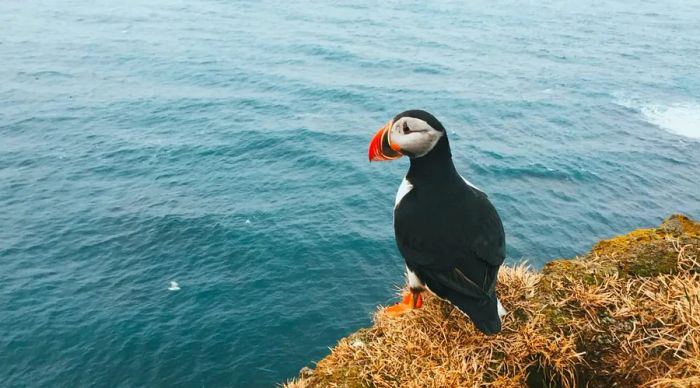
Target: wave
682, 119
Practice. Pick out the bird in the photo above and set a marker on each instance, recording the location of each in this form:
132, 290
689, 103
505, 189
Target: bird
174, 286
446, 228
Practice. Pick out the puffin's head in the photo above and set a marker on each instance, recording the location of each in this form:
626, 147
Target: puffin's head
413, 133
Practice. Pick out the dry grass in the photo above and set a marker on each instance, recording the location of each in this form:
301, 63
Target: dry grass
626, 314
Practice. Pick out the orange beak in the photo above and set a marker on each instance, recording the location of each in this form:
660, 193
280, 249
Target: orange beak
381, 148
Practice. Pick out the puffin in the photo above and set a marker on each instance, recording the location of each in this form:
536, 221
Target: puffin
447, 230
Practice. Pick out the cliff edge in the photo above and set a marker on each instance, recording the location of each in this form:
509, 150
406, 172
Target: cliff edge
625, 314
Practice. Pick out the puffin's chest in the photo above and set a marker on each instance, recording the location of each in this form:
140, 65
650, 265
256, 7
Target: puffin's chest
419, 210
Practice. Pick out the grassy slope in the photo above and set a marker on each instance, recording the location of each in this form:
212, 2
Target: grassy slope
626, 314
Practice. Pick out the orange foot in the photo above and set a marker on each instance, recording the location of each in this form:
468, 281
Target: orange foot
411, 300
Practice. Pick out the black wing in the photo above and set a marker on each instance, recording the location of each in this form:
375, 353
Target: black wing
454, 241
455, 228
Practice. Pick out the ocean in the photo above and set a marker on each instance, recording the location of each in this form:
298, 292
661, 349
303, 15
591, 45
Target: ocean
223, 145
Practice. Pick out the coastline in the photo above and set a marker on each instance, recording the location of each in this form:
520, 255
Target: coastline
625, 314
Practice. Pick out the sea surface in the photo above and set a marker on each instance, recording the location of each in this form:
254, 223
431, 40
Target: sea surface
223, 145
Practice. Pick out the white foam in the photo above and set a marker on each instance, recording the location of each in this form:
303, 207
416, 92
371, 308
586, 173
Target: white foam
682, 118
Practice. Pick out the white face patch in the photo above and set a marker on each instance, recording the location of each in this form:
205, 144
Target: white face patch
414, 136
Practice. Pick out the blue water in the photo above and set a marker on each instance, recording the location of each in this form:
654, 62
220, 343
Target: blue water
223, 145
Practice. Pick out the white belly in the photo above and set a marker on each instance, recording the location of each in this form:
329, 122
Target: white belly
404, 189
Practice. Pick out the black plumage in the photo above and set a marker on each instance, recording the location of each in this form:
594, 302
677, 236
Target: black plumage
450, 234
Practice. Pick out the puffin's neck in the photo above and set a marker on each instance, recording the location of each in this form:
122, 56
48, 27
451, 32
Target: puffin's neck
435, 165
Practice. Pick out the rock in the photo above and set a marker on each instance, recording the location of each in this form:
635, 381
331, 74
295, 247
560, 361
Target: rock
306, 372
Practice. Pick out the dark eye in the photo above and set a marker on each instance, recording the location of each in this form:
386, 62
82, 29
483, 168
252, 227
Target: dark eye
405, 128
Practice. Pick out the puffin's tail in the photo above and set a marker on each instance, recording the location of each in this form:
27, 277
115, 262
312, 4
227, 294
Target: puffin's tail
482, 307
485, 313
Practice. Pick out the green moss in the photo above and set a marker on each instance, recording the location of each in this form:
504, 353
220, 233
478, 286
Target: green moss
555, 317
679, 224
653, 265
644, 252
623, 244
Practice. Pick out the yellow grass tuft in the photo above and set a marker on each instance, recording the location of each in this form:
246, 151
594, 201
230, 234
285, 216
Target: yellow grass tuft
626, 314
